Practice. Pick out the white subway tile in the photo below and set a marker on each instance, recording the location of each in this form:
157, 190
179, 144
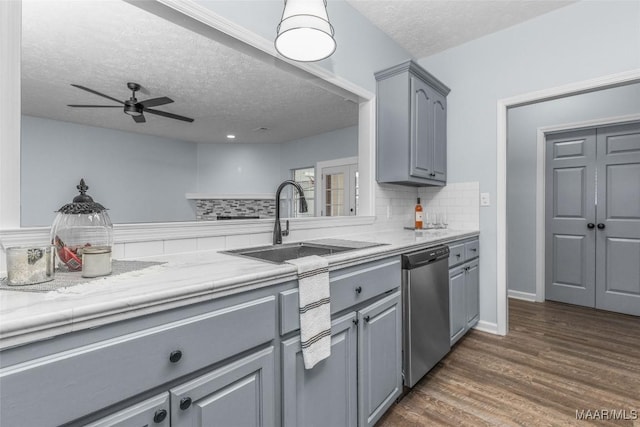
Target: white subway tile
143, 249
210, 243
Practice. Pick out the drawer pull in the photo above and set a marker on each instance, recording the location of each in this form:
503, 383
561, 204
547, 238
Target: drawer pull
159, 416
366, 319
175, 356
474, 249
358, 289
185, 402
457, 255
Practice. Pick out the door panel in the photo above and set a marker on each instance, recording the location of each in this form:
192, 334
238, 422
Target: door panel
440, 137
380, 358
618, 242
238, 394
324, 395
571, 257
570, 192
421, 143
570, 207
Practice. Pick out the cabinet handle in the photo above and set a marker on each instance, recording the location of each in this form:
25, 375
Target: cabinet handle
358, 289
159, 416
458, 255
591, 225
175, 356
473, 249
366, 319
185, 402
600, 226
432, 174
355, 321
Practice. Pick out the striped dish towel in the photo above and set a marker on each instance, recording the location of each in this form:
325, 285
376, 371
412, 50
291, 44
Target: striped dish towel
314, 308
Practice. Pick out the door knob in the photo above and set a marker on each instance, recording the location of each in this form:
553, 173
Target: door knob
591, 225
600, 226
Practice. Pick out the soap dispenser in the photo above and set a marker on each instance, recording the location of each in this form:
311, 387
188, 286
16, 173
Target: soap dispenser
79, 226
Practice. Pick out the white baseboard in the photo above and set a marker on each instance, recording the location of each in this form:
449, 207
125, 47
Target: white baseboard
525, 296
485, 326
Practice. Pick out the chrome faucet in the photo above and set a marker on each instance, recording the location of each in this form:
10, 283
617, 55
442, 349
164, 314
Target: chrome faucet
277, 231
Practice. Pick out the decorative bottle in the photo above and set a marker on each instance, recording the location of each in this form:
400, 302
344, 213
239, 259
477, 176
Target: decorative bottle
418, 225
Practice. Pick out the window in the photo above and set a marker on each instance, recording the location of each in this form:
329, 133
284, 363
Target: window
306, 178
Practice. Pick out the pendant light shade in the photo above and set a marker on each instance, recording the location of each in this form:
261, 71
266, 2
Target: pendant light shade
305, 34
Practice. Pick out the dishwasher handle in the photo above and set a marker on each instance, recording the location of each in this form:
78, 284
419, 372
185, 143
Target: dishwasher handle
424, 257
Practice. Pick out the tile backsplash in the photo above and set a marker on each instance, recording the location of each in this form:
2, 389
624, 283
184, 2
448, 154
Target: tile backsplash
209, 209
459, 202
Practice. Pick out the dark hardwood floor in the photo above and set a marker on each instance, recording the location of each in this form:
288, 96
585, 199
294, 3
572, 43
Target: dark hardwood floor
557, 359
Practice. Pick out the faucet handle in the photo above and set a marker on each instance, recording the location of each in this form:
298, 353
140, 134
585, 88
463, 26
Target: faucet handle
285, 232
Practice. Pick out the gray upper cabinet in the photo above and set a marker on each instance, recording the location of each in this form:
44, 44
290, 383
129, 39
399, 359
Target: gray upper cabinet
411, 126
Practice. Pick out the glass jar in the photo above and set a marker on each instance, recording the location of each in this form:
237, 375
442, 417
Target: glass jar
79, 225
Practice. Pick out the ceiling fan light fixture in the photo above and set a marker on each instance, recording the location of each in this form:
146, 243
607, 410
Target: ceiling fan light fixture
304, 33
132, 109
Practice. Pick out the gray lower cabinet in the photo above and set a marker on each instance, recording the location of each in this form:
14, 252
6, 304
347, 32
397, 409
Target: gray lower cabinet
358, 382
325, 395
379, 358
225, 362
241, 393
87, 372
464, 288
411, 126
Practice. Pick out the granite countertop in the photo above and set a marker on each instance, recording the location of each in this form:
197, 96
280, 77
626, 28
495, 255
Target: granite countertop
182, 279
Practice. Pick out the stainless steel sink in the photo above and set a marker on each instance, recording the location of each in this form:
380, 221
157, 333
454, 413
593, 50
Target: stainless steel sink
285, 252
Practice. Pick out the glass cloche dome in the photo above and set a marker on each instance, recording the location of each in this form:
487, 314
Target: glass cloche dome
79, 225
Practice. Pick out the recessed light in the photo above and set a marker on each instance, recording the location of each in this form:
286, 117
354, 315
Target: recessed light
231, 136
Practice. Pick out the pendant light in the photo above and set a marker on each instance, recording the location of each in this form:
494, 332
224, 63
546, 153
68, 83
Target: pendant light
304, 33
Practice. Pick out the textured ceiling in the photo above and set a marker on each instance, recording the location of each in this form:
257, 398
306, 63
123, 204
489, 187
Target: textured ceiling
425, 27
103, 45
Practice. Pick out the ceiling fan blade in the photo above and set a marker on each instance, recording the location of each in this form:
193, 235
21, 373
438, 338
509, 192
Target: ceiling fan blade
94, 106
169, 115
155, 102
139, 119
97, 93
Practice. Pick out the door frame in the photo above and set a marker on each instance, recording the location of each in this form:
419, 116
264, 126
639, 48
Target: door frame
541, 183
611, 80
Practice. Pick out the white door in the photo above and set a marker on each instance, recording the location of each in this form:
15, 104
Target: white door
338, 189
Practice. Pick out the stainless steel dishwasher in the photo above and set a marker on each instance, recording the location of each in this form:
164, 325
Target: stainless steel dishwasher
425, 303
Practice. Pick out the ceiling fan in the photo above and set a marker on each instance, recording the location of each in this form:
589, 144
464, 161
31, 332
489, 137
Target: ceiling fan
134, 108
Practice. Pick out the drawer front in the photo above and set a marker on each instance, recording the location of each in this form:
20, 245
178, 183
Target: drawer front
471, 250
348, 287
39, 392
456, 254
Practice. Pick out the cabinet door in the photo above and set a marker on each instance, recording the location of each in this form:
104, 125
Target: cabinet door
151, 412
471, 284
379, 358
326, 394
238, 394
439, 123
457, 303
422, 142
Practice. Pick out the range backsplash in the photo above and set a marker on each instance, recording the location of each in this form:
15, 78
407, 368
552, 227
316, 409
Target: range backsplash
209, 209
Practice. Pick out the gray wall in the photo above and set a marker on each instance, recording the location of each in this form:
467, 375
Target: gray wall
143, 178
582, 41
140, 178
521, 166
259, 168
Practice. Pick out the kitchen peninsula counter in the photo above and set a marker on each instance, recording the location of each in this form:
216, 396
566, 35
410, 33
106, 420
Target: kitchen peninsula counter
181, 280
